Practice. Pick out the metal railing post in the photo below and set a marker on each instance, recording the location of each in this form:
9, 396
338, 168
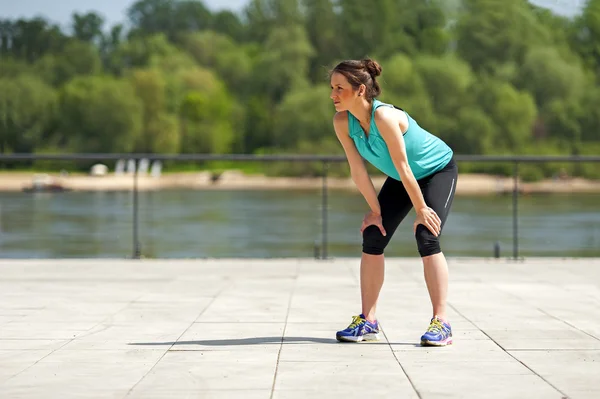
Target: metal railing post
515, 206
324, 212
136, 242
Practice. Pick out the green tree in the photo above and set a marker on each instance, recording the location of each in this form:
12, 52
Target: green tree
423, 24
10, 67
110, 43
323, 33
491, 33
264, 16
206, 124
562, 120
386, 27
304, 115
558, 87
27, 107
139, 52
207, 112
160, 130
367, 28
220, 53
168, 17
448, 81
404, 87
590, 116
166, 134
30, 39
87, 27
258, 127
75, 59
513, 112
229, 24
587, 35
560, 29
100, 114
547, 76
473, 133
284, 63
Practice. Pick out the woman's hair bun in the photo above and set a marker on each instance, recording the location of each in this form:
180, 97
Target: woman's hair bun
372, 67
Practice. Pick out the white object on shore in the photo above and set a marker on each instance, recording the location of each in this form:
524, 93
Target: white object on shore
143, 166
99, 170
156, 169
120, 167
130, 167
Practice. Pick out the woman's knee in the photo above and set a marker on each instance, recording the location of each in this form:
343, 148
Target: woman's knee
427, 243
374, 242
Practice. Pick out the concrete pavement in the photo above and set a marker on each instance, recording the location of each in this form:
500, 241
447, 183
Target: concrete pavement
266, 329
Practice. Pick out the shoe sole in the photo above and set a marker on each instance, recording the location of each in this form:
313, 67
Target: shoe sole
360, 338
437, 343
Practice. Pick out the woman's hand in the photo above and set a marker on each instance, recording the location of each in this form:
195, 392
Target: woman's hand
372, 218
428, 218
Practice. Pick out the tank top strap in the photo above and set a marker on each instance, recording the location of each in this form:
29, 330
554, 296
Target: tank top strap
376, 104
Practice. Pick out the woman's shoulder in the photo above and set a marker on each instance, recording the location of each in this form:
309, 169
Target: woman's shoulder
383, 110
341, 116
340, 122
388, 113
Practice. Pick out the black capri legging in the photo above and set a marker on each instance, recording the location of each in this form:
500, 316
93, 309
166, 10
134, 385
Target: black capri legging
438, 191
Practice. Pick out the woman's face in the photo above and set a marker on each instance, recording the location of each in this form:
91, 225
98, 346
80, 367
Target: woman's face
342, 94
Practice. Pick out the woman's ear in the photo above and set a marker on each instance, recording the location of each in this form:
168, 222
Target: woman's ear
361, 90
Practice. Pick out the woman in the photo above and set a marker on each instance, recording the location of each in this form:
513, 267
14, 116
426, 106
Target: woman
421, 174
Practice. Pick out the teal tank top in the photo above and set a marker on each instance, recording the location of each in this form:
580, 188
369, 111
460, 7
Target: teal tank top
426, 153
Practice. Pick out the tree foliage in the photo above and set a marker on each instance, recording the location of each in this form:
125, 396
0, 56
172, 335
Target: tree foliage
486, 76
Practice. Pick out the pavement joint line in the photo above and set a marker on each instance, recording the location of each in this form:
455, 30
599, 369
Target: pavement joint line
357, 281
401, 366
552, 350
238, 322
289, 307
564, 395
546, 313
74, 338
178, 338
569, 324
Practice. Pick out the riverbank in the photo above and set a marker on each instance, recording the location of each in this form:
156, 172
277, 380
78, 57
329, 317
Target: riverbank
468, 184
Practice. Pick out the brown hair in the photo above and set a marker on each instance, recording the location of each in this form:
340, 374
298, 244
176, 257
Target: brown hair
359, 72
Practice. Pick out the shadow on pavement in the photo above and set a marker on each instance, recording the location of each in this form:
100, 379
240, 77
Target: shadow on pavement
263, 341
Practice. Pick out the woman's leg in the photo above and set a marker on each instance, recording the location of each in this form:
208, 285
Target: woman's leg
395, 205
435, 269
438, 192
372, 271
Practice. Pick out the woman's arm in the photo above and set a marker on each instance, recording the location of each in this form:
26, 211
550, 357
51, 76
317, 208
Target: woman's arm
387, 122
358, 171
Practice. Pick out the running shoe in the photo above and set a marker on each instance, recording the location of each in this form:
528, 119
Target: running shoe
359, 330
439, 333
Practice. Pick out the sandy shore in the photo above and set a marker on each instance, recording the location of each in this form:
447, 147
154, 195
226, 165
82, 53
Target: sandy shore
468, 184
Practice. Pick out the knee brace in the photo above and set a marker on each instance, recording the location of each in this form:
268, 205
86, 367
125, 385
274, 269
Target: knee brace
427, 243
373, 241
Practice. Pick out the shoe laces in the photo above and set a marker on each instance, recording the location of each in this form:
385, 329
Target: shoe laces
356, 321
435, 326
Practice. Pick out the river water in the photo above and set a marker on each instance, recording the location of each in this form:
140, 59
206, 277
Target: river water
278, 223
